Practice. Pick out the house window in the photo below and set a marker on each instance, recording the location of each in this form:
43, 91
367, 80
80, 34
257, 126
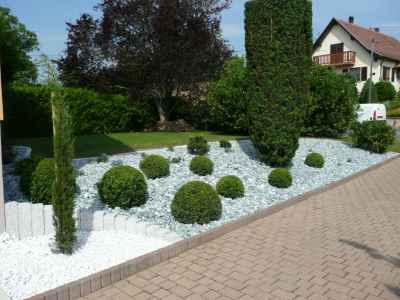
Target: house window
393, 75
386, 74
359, 74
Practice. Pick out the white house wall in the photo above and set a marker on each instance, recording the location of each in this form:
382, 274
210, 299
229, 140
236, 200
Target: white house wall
338, 35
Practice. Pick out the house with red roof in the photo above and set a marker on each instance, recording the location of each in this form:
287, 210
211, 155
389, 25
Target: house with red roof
361, 52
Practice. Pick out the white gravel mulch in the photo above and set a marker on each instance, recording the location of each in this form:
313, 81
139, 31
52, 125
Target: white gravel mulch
29, 267
341, 160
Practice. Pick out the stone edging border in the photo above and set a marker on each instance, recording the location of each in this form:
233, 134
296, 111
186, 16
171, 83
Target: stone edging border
92, 283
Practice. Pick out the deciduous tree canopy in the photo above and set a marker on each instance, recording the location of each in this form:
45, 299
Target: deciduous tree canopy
146, 47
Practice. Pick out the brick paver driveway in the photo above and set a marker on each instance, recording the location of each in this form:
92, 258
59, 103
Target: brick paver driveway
341, 244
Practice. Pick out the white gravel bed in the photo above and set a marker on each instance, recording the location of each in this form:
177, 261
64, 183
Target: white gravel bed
30, 267
341, 161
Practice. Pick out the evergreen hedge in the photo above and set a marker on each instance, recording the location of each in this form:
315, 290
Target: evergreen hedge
279, 50
28, 112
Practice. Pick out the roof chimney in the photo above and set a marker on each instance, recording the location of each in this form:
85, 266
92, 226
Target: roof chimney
377, 29
351, 19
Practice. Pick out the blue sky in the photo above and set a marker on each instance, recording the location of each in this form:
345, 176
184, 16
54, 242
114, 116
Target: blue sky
47, 18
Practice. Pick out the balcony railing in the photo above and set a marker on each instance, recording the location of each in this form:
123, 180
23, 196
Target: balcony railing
337, 59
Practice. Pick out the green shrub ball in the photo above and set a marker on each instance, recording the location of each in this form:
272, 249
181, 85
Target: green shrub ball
315, 160
123, 187
230, 187
201, 165
155, 166
41, 189
25, 168
198, 146
374, 136
280, 178
196, 203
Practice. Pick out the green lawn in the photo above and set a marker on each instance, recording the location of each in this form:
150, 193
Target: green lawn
394, 148
95, 145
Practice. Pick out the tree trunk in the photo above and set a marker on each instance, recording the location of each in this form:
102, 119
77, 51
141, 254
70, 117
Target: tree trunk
161, 112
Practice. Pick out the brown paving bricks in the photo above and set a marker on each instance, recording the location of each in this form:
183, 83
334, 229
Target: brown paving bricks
341, 244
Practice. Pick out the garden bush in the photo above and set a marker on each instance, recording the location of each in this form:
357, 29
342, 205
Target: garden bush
225, 144
201, 165
123, 187
25, 169
196, 203
385, 91
280, 178
155, 166
227, 98
315, 160
198, 146
42, 182
332, 106
29, 113
279, 50
375, 136
364, 96
230, 187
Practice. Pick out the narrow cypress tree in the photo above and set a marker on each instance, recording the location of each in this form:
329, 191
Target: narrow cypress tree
64, 186
278, 48
364, 96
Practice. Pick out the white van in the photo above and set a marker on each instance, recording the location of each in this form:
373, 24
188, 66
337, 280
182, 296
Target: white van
371, 112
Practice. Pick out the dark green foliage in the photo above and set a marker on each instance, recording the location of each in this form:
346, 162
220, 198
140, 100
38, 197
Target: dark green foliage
16, 44
364, 96
64, 180
29, 113
315, 160
198, 146
196, 203
278, 47
123, 187
375, 136
155, 166
25, 169
102, 158
201, 165
227, 98
41, 189
280, 178
225, 144
385, 91
332, 106
230, 187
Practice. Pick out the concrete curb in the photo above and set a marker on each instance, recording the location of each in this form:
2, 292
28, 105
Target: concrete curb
91, 284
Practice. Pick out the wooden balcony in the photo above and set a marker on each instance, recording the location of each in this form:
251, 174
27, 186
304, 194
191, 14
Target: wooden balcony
347, 58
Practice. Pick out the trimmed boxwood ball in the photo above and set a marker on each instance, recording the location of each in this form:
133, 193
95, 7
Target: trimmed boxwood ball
41, 190
196, 202
280, 178
124, 187
230, 187
198, 146
155, 166
25, 168
315, 160
225, 144
201, 165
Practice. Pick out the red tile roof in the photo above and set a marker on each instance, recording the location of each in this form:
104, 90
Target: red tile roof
385, 45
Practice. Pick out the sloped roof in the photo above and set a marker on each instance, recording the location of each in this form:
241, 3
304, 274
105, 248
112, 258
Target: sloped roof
385, 45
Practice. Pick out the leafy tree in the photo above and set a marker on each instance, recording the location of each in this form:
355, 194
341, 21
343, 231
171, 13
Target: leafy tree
332, 105
146, 47
364, 96
16, 42
64, 184
227, 98
278, 45
385, 91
